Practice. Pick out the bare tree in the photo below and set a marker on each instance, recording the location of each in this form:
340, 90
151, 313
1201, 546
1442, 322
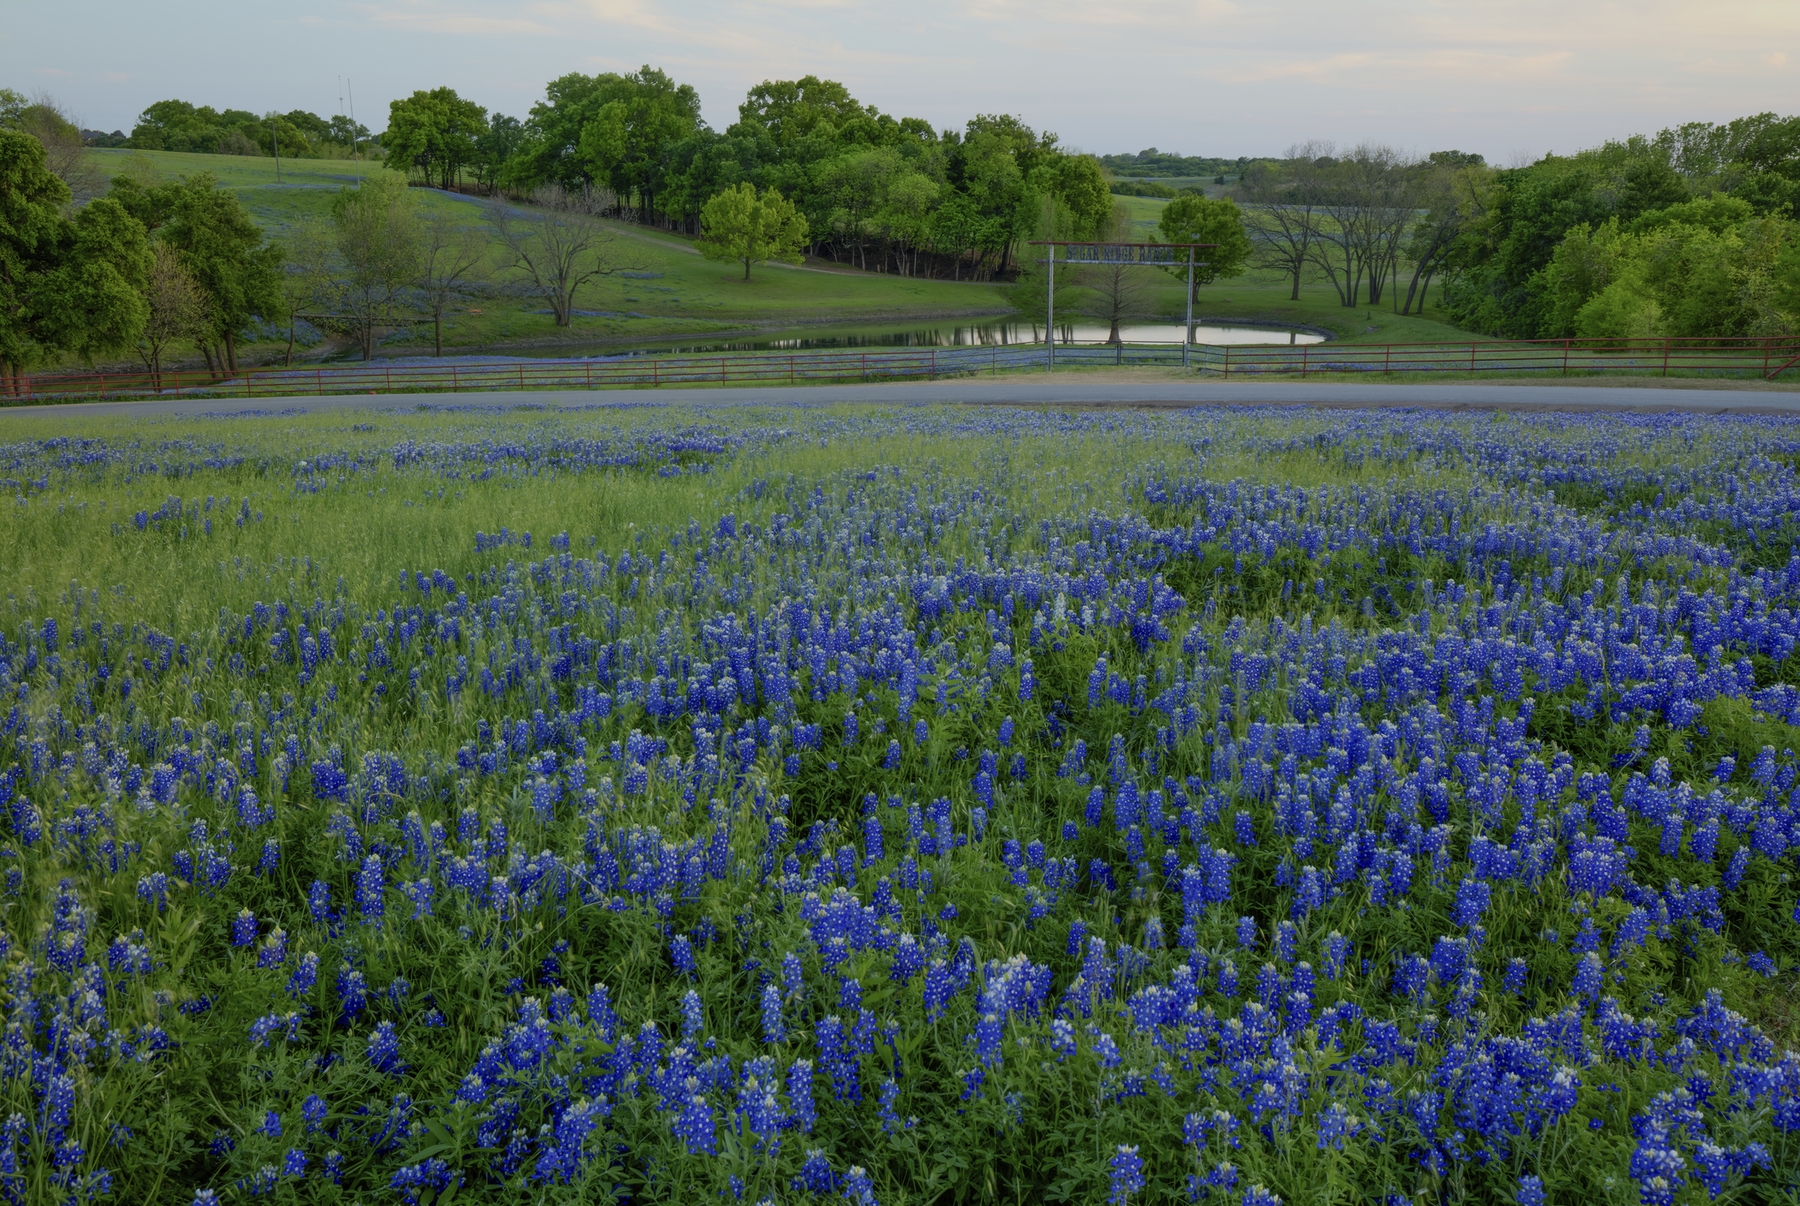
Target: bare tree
1335, 188
448, 252
563, 247
1115, 292
1365, 202
64, 156
1389, 184
1282, 214
177, 308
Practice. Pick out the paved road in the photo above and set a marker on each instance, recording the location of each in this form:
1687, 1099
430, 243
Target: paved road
1022, 391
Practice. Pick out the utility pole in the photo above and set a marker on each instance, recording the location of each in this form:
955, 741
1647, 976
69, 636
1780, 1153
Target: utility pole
354, 149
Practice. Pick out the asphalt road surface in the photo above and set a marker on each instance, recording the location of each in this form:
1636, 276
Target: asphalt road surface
1018, 391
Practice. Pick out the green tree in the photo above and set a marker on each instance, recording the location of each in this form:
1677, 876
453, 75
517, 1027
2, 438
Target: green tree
1586, 263
626, 142
1190, 218
855, 185
68, 284
550, 150
435, 133
739, 224
378, 247
1079, 184
787, 111
496, 146
237, 269
176, 308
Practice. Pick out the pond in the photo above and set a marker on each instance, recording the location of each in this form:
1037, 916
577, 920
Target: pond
951, 334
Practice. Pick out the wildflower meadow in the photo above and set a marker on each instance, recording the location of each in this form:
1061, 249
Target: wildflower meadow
900, 806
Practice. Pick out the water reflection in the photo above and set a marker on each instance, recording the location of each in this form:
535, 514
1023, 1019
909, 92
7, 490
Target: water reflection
992, 333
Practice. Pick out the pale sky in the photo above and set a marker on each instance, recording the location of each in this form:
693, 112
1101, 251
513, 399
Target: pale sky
1509, 79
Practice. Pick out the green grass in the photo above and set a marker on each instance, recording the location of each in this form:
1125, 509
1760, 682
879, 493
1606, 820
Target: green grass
692, 296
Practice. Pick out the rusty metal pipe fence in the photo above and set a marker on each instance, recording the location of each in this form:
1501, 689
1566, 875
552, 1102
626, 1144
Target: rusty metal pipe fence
1766, 358
1748, 358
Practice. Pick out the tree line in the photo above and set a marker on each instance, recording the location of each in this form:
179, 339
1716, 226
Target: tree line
175, 125
1694, 232
155, 263
888, 194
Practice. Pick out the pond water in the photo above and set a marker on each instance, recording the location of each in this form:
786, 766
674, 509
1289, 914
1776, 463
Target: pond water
975, 333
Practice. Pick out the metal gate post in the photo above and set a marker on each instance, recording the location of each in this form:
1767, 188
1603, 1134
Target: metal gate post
1187, 329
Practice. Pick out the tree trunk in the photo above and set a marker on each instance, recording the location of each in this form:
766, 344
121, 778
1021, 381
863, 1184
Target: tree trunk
437, 319
206, 351
231, 350
746, 269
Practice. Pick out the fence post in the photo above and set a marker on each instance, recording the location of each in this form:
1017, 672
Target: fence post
319, 374
790, 369
1767, 340
521, 374
103, 387
1471, 359
455, 384
1665, 371
1565, 358
588, 369
722, 362
865, 366
933, 364
655, 372
1304, 350
1387, 357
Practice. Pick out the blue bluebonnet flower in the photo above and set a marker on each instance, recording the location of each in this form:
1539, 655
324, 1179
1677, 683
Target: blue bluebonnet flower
1127, 1174
384, 1049
815, 1173
243, 928
859, 1189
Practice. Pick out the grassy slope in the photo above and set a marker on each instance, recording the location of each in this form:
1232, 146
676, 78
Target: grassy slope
692, 296
697, 297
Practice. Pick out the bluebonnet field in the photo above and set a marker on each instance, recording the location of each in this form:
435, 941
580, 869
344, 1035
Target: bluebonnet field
900, 806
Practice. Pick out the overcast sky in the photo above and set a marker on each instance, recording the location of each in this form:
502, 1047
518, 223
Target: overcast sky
1507, 78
